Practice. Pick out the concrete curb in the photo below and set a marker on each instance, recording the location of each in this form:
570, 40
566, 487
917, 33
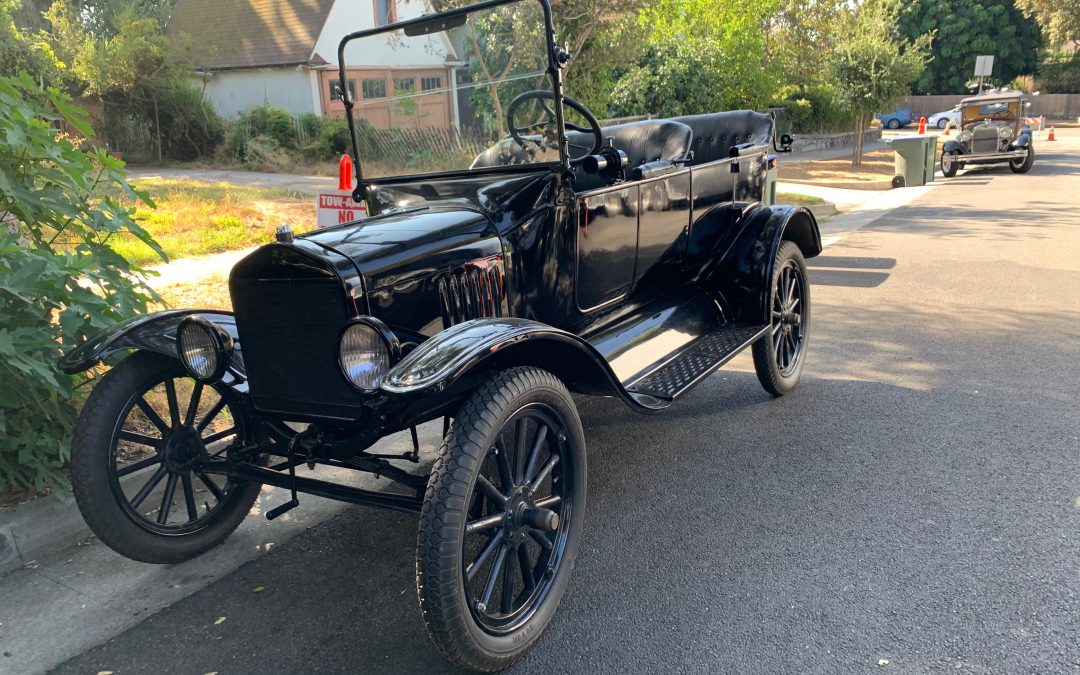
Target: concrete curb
820, 210
37, 528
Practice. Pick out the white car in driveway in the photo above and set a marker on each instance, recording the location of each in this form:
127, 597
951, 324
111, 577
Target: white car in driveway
940, 119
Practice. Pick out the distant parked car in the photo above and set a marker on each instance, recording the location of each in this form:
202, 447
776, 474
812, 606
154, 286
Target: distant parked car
941, 119
897, 119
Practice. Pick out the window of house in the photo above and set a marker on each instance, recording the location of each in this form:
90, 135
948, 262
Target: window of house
373, 88
385, 12
429, 83
335, 89
404, 85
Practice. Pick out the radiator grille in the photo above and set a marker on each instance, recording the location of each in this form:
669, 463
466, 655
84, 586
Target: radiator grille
984, 140
473, 291
289, 330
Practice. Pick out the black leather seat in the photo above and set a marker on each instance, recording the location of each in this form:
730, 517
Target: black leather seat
716, 133
643, 142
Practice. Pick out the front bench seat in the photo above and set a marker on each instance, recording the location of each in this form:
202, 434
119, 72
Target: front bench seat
643, 142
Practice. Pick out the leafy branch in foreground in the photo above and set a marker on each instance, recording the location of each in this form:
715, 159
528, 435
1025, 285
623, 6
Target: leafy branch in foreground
60, 280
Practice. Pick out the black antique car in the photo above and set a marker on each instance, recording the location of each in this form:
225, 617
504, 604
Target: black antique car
992, 130
501, 270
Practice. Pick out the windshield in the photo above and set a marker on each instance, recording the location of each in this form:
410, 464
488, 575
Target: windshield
438, 95
996, 111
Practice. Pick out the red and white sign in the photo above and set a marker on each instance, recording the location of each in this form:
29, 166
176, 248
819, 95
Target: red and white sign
336, 207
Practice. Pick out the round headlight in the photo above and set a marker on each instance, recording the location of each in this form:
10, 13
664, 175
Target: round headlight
365, 353
204, 348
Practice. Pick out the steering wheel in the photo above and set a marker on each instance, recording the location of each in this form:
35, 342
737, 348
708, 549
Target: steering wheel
546, 129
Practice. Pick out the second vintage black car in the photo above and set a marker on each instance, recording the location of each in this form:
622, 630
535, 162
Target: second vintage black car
517, 252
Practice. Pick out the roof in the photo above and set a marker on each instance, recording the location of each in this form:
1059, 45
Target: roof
228, 34
1006, 95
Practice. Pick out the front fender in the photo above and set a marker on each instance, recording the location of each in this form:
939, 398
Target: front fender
744, 272
463, 354
155, 332
1023, 140
953, 145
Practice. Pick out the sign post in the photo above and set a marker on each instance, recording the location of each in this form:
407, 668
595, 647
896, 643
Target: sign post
336, 207
984, 68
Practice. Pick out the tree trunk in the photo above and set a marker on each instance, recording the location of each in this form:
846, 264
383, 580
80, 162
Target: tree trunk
857, 142
157, 129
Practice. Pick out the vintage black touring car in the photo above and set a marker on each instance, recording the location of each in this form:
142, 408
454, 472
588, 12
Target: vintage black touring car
496, 275
992, 130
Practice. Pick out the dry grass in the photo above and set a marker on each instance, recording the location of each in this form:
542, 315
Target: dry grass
875, 173
209, 292
796, 199
194, 218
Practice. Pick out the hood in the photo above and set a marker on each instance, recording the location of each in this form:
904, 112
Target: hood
408, 244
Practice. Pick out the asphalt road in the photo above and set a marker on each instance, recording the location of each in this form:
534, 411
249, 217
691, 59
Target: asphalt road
915, 501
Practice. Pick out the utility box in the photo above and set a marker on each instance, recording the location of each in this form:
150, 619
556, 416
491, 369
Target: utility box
768, 196
914, 159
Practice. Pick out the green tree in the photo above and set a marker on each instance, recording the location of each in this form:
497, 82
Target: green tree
700, 56
873, 70
60, 282
964, 29
1060, 19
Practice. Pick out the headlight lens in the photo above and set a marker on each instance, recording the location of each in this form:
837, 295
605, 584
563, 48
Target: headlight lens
364, 355
203, 349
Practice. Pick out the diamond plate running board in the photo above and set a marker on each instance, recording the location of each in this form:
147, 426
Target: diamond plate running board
700, 359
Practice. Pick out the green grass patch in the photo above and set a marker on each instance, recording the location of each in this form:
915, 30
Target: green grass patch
194, 218
796, 199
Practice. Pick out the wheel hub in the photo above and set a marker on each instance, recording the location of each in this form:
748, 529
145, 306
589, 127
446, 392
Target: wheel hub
182, 448
523, 514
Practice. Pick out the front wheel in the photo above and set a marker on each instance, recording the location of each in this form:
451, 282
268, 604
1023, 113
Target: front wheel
894, 124
779, 354
950, 163
502, 519
943, 122
1023, 165
135, 459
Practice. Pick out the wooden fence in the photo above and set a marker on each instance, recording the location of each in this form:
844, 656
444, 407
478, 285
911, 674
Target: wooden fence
1051, 106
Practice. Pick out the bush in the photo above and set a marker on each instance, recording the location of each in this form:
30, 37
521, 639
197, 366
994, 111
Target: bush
814, 110
60, 281
272, 138
331, 139
1061, 75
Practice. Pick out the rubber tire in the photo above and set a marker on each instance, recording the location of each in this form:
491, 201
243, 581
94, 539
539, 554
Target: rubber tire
439, 577
1025, 166
90, 472
943, 122
954, 166
772, 380
894, 123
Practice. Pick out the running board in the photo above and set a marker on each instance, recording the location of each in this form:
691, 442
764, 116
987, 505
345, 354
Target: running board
697, 361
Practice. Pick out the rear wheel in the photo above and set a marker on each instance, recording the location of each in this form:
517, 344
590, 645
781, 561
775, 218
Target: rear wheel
894, 123
950, 163
135, 455
502, 519
943, 122
779, 354
1023, 165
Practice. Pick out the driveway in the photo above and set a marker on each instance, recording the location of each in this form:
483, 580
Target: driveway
912, 507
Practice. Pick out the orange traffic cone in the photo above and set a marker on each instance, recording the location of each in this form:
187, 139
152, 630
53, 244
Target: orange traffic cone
947, 130
1051, 136
922, 125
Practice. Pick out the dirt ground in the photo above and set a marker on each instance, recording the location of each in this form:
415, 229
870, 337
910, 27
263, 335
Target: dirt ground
875, 173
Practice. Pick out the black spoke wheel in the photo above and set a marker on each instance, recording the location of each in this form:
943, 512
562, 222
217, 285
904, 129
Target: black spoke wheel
779, 354
136, 455
501, 521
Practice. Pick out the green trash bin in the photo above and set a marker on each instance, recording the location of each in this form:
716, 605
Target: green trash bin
913, 160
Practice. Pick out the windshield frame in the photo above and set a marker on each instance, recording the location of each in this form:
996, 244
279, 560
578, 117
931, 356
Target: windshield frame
553, 71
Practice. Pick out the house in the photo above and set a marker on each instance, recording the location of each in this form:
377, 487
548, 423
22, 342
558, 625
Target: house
284, 53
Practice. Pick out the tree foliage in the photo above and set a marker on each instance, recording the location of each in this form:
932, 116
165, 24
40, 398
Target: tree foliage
1059, 19
872, 70
700, 56
964, 29
60, 282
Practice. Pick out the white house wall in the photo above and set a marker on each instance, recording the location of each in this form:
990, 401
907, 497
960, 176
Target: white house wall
232, 92
347, 17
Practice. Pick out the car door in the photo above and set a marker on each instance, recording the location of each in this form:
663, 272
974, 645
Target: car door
606, 245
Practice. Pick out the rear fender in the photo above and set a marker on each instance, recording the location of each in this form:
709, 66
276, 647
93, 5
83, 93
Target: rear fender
155, 332
744, 272
462, 356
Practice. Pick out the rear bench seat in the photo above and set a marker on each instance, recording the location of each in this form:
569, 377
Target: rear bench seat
716, 133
